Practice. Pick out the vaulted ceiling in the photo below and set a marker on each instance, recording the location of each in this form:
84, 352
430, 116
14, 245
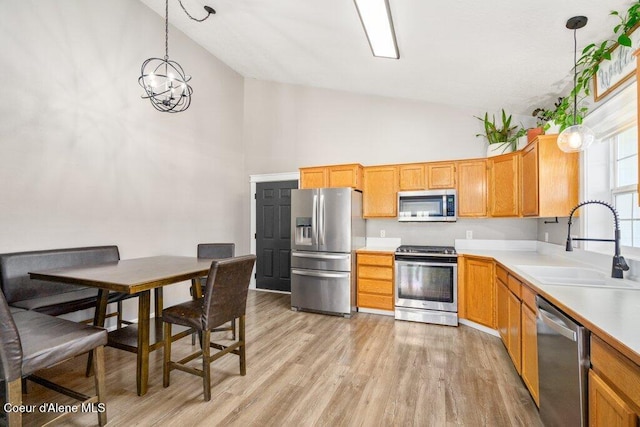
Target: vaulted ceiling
488, 55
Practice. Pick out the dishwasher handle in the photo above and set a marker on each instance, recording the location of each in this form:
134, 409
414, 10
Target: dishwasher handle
556, 325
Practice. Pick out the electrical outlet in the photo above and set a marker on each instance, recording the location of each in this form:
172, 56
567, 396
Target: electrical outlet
469, 234
546, 236
383, 233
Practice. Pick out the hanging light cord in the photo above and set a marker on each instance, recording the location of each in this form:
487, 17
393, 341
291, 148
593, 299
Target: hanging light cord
575, 77
207, 8
166, 29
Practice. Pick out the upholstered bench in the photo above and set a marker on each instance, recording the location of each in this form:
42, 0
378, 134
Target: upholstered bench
49, 297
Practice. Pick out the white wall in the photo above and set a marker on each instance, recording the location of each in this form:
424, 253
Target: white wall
85, 161
288, 126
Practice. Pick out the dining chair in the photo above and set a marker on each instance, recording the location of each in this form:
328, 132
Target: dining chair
225, 299
215, 251
31, 341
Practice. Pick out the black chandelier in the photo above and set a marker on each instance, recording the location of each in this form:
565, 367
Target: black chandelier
164, 81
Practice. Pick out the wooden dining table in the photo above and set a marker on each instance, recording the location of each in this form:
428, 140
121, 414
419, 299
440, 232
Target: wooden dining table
135, 276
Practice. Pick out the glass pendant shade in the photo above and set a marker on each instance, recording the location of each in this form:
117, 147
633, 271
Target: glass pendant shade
575, 138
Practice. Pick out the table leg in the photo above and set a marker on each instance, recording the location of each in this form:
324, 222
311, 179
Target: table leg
196, 288
99, 317
159, 302
142, 367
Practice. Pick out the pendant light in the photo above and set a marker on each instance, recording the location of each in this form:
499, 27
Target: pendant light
164, 81
577, 137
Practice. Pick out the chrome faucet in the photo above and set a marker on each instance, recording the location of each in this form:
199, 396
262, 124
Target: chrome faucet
619, 263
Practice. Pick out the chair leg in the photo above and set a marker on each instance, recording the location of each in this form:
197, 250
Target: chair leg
99, 372
243, 355
206, 365
166, 371
119, 314
233, 328
13, 391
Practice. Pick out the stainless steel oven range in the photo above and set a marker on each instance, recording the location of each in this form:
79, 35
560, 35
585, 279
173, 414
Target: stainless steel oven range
426, 284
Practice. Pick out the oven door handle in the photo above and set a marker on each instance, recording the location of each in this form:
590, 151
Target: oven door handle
425, 263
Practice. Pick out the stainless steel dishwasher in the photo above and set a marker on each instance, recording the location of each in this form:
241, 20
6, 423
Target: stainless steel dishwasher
563, 365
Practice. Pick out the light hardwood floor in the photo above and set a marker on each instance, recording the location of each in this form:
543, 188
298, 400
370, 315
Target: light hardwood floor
311, 369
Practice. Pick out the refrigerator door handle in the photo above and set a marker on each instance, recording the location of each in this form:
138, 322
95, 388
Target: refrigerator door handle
319, 255
321, 221
324, 274
314, 221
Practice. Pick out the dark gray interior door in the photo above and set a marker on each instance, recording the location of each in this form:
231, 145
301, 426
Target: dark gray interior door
273, 235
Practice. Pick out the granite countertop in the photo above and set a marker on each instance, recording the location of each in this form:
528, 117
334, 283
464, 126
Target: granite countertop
611, 314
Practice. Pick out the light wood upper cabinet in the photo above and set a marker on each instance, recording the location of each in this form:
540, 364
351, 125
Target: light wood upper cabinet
380, 192
550, 178
472, 188
375, 280
332, 176
316, 177
411, 177
477, 293
504, 185
441, 175
346, 176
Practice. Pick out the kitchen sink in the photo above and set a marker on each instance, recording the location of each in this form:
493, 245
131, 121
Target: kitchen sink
575, 276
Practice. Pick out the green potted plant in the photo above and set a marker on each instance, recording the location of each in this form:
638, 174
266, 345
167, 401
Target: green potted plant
542, 116
503, 137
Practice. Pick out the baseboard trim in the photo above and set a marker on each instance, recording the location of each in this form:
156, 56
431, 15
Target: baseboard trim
479, 327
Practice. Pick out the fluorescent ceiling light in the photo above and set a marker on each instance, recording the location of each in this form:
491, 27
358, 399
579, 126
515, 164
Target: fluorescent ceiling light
376, 20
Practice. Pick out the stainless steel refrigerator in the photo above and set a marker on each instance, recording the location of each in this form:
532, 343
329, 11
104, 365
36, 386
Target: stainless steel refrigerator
326, 229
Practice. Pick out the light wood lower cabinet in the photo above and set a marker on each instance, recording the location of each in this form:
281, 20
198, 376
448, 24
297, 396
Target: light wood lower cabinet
614, 387
606, 408
529, 346
516, 323
508, 315
476, 296
375, 280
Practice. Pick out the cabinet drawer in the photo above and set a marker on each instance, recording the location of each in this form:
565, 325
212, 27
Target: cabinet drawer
375, 259
371, 272
529, 298
501, 274
515, 286
381, 302
375, 286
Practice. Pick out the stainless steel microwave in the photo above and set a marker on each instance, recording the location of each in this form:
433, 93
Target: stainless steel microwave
428, 205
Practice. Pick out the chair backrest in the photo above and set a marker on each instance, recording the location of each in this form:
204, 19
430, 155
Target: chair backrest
15, 267
216, 250
227, 287
10, 346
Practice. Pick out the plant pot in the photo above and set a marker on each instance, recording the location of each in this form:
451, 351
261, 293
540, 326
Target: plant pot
499, 148
533, 133
553, 128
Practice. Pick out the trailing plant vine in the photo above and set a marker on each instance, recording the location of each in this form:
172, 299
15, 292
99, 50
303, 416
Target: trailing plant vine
589, 64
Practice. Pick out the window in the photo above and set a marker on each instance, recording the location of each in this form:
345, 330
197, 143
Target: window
624, 192
610, 173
